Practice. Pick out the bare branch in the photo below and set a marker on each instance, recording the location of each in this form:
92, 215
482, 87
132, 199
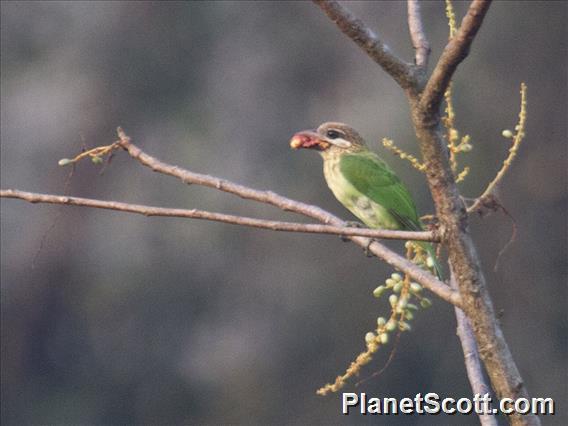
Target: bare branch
454, 53
471, 358
366, 39
217, 217
417, 35
399, 262
452, 216
476, 301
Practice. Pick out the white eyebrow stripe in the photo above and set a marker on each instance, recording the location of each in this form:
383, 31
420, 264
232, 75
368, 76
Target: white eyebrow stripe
342, 143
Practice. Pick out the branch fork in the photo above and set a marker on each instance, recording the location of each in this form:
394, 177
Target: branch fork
425, 101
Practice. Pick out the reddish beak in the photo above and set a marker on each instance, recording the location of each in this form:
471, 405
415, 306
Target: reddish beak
308, 139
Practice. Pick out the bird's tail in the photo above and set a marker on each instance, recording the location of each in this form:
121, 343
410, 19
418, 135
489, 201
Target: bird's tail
431, 251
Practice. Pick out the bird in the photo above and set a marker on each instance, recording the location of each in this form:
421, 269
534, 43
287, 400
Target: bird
363, 182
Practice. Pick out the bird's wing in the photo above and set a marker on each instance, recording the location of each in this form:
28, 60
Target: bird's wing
372, 177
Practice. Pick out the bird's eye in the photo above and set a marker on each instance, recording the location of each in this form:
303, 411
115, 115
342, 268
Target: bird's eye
333, 134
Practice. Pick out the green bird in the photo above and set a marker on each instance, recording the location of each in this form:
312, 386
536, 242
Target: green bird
363, 182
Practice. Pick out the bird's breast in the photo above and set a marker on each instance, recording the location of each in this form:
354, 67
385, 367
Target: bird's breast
370, 213
341, 187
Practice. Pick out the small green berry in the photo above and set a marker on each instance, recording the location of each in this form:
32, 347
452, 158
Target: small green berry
391, 325
64, 162
379, 291
425, 303
415, 288
411, 307
396, 277
507, 134
393, 299
397, 287
381, 321
384, 338
370, 337
390, 282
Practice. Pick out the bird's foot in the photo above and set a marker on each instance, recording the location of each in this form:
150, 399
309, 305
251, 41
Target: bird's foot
351, 224
367, 248
354, 224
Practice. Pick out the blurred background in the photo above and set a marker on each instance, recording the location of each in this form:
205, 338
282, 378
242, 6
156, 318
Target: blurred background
112, 318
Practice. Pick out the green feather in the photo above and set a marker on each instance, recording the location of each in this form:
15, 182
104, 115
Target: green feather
375, 180
371, 178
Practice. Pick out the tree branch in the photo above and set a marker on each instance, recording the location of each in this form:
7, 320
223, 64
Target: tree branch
421, 276
354, 28
268, 197
425, 111
464, 331
417, 35
477, 305
217, 217
452, 215
454, 53
486, 196
473, 365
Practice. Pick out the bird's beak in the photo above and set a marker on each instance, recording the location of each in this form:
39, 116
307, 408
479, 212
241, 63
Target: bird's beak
308, 139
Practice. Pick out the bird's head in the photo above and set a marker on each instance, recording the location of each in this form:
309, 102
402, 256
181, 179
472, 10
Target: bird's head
329, 138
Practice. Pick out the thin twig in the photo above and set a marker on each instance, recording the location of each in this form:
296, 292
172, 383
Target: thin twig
472, 361
389, 144
217, 217
387, 363
55, 219
366, 39
517, 139
417, 35
454, 53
